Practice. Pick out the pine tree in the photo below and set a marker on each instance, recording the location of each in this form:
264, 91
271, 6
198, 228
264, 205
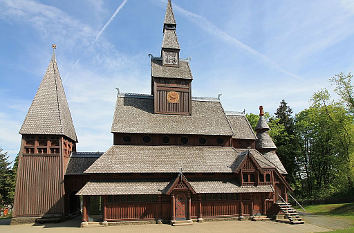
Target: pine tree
286, 142
5, 173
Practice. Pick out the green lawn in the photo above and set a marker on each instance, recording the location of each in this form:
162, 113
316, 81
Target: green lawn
343, 210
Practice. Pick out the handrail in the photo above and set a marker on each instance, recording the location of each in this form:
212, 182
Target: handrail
282, 198
297, 202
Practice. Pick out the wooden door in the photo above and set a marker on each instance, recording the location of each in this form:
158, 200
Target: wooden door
257, 204
181, 202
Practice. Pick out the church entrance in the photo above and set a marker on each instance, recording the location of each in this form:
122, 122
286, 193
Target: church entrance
181, 203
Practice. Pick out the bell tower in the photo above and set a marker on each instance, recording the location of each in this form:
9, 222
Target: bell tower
48, 138
171, 77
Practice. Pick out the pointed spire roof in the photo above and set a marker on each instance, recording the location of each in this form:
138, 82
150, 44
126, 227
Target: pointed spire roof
262, 122
49, 112
264, 141
170, 40
169, 16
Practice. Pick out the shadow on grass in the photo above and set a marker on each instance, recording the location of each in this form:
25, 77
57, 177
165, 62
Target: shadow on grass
346, 209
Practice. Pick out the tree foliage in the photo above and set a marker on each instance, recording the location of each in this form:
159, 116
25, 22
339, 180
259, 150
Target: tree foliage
316, 145
5, 179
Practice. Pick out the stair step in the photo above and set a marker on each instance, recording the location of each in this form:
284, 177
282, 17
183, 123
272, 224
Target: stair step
297, 222
182, 222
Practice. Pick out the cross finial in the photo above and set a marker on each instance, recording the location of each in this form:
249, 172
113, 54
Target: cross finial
261, 112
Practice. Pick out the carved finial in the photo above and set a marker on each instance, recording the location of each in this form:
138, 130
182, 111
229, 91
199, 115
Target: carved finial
54, 46
180, 172
261, 112
219, 95
118, 91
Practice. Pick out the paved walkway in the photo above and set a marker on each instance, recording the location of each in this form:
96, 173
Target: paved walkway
207, 227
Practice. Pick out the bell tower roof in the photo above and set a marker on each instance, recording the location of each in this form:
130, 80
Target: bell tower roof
169, 16
170, 40
264, 141
49, 112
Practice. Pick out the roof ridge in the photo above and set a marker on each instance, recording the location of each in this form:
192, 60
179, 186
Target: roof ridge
53, 61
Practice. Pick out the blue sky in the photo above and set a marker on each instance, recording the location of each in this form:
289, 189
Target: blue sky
253, 52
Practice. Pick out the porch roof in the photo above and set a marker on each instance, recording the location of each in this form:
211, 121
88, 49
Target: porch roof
160, 187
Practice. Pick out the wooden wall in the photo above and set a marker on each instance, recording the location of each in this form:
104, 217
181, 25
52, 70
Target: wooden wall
160, 89
39, 186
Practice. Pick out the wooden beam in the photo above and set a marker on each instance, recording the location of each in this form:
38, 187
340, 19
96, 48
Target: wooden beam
173, 205
84, 209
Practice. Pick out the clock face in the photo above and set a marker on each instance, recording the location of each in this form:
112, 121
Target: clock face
173, 97
171, 58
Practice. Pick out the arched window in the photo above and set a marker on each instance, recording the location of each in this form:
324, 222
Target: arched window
165, 139
147, 139
202, 140
127, 139
219, 141
184, 140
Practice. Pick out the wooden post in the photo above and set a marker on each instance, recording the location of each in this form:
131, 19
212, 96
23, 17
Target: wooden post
252, 203
159, 213
200, 210
84, 209
104, 208
189, 207
173, 205
241, 206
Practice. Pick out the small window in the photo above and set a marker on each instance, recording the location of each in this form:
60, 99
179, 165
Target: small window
147, 139
245, 177
165, 139
184, 140
202, 141
261, 177
251, 177
220, 141
127, 139
268, 177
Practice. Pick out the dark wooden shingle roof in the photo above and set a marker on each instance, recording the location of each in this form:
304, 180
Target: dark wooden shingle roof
49, 112
134, 114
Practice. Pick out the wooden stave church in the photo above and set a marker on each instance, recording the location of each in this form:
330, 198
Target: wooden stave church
174, 157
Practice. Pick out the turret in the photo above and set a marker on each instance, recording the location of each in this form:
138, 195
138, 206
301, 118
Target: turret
264, 142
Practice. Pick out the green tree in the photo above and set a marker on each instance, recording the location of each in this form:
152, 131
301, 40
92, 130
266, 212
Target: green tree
4, 177
12, 181
344, 88
325, 132
286, 140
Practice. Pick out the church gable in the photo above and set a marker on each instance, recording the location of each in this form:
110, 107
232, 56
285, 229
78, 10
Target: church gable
180, 184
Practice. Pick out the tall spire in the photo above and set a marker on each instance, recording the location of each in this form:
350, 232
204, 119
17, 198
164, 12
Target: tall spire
170, 46
49, 112
169, 16
264, 141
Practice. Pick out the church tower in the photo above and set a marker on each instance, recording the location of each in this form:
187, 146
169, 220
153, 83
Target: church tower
171, 77
48, 138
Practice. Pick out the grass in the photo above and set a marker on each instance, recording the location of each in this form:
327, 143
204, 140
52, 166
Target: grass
348, 230
344, 210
